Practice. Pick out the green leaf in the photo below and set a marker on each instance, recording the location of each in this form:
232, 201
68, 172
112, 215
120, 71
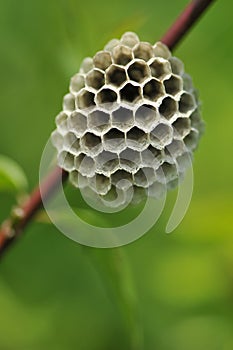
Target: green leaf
12, 177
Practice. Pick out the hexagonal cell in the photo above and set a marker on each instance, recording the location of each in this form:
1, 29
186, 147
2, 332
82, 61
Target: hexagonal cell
173, 85
106, 97
177, 65
161, 176
116, 75
78, 160
118, 198
66, 161
130, 93
182, 126
157, 190
102, 60
86, 65
100, 184
150, 175
73, 177
195, 94
111, 197
139, 195
85, 165
153, 90
122, 55
151, 157
85, 99
161, 136
123, 118
77, 82
184, 161
167, 172
114, 140
99, 121
78, 123
186, 103
137, 139
168, 107
111, 45
144, 51
78, 180
146, 116
197, 122
173, 183
191, 140
57, 139
144, 177
130, 160
129, 39
161, 50
68, 103
138, 71
95, 79
157, 153
188, 83
174, 149
61, 122
195, 117
71, 143
160, 68
107, 162
122, 179
91, 143
69, 139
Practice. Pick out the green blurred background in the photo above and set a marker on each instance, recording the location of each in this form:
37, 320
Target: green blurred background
175, 289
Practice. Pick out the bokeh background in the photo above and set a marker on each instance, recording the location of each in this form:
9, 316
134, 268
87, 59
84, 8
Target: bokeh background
174, 290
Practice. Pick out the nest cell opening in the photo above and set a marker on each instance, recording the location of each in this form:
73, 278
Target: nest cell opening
99, 121
95, 79
116, 75
123, 118
122, 55
136, 139
168, 107
173, 85
78, 122
114, 140
153, 90
102, 60
138, 71
144, 51
161, 136
186, 103
160, 68
130, 93
106, 96
85, 99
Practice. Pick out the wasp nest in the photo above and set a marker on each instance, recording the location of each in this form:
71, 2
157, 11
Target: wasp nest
131, 119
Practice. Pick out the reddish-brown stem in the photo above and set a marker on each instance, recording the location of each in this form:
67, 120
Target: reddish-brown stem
184, 22
12, 228
21, 216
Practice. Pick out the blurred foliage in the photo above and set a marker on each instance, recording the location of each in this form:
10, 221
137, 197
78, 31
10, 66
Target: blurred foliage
12, 177
57, 295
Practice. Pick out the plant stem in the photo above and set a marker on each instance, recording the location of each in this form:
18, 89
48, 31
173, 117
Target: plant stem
115, 270
184, 22
21, 216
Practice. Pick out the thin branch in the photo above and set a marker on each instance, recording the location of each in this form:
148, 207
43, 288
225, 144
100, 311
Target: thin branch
21, 216
184, 22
